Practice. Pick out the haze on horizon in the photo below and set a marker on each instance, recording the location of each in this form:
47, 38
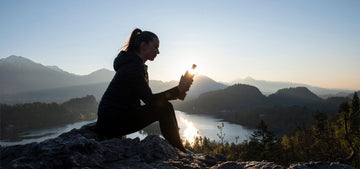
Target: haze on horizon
308, 42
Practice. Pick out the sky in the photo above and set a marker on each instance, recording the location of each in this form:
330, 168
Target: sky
305, 41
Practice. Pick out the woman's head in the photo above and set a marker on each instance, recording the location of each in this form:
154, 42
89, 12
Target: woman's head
145, 43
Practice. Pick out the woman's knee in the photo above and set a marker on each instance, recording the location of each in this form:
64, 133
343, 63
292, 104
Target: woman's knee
167, 106
164, 108
161, 105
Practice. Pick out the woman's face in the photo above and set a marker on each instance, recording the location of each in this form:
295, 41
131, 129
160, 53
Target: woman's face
151, 49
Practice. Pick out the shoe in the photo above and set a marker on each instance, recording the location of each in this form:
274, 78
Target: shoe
193, 154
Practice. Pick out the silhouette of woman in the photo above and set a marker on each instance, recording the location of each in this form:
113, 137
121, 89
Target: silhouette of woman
120, 112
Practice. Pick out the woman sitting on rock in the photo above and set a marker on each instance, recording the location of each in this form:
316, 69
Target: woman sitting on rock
120, 112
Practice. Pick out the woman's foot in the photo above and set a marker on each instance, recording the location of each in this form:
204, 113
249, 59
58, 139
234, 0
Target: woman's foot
193, 154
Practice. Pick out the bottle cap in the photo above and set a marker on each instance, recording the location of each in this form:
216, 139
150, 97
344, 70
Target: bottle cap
193, 66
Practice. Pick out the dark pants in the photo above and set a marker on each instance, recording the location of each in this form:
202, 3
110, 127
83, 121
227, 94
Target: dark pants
117, 124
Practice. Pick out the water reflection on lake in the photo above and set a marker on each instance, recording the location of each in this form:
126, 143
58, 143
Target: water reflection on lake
190, 126
44, 134
207, 126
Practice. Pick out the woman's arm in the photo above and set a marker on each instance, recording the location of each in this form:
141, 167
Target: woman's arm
143, 91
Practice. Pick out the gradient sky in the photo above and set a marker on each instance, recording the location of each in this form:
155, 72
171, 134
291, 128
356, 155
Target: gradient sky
305, 41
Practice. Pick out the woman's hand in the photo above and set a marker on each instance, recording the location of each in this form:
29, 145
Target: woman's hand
184, 86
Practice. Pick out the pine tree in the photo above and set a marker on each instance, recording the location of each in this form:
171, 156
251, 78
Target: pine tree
262, 142
349, 122
355, 116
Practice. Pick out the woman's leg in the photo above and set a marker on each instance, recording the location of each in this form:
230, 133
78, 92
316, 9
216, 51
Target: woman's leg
165, 114
124, 123
169, 127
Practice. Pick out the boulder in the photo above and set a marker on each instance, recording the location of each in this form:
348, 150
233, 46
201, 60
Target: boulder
320, 165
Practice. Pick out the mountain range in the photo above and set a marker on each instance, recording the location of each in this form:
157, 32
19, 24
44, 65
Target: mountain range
19, 74
23, 80
269, 87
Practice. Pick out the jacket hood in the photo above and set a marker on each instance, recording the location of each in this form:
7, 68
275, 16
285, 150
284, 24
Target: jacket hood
124, 58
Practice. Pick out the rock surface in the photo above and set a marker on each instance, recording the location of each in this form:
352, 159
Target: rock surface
83, 148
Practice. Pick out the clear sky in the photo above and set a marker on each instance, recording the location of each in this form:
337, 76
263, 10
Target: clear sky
305, 41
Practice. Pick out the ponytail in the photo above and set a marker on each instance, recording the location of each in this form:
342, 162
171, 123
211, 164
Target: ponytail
137, 36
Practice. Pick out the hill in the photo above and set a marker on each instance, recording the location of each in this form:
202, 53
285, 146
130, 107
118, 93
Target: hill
230, 99
294, 96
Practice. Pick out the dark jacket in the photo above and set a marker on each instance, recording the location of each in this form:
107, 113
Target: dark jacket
130, 85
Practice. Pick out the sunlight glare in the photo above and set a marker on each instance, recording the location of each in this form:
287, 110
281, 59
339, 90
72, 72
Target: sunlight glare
190, 132
192, 71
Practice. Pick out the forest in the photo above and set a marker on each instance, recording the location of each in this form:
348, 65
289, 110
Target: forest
329, 138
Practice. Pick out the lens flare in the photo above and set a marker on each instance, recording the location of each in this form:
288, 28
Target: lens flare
190, 132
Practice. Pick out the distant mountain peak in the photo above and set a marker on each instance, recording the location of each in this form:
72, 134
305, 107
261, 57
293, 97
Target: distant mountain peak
15, 59
203, 77
102, 71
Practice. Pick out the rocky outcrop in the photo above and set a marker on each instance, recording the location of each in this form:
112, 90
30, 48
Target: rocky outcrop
83, 148
319, 165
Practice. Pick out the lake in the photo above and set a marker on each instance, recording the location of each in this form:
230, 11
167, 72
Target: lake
190, 125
